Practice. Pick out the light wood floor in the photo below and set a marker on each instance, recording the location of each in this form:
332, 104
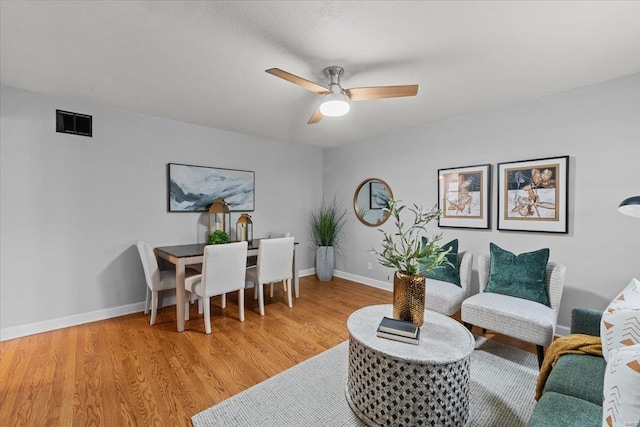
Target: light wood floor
123, 372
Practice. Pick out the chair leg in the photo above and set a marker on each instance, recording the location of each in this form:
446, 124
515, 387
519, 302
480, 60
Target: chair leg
241, 303
255, 291
200, 305
207, 315
270, 290
147, 300
540, 355
288, 293
154, 307
224, 300
468, 325
186, 304
261, 299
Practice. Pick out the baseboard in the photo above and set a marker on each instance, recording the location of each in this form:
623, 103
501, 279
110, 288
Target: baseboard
94, 316
65, 322
353, 277
365, 280
562, 331
307, 272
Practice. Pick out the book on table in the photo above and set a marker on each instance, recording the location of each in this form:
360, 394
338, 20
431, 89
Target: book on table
401, 338
398, 327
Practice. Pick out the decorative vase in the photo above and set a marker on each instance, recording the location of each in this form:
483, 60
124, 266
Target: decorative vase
408, 298
325, 261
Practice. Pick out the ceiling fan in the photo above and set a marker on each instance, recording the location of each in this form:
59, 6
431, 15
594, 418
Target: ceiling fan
336, 99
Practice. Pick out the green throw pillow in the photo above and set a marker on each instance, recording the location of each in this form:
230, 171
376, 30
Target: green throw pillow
519, 276
445, 272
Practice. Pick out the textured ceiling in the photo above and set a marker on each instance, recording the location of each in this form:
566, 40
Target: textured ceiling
203, 62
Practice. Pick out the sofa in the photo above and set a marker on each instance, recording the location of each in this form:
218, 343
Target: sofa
572, 393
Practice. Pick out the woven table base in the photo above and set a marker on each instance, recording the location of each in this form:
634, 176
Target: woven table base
391, 392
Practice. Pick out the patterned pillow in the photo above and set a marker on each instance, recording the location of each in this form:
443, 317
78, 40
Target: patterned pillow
620, 324
621, 404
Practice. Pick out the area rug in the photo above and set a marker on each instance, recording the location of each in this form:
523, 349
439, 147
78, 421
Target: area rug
312, 393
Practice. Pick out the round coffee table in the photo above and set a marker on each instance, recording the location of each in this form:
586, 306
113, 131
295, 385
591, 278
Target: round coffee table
393, 383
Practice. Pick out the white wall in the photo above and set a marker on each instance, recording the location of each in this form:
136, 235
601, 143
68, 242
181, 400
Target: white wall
72, 207
598, 126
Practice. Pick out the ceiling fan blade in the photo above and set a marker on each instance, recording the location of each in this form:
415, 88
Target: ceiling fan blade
316, 117
377, 92
309, 85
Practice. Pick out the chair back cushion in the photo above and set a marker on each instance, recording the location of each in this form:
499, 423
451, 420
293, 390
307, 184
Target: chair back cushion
521, 276
223, 268
149, 265
275, 257
446, 272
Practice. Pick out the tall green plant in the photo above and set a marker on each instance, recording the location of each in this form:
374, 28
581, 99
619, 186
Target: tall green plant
327, 223
403, 250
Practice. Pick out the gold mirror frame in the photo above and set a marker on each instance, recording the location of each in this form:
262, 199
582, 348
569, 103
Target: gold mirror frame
368, 215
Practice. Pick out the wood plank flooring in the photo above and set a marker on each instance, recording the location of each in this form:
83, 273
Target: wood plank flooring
124, 372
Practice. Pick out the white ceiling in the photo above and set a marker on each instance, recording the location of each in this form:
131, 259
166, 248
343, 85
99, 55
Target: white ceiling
203, 62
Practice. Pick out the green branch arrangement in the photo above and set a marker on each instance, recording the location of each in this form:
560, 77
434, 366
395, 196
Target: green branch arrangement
403, 250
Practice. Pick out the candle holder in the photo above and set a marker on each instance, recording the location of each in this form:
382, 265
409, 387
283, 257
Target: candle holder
244, 228
219, 216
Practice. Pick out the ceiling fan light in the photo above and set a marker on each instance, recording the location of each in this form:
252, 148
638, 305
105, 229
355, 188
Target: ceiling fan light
630, 206
335, 105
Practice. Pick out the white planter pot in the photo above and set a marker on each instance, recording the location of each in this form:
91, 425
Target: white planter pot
325, 263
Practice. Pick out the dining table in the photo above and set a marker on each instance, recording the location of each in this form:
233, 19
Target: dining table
182, 256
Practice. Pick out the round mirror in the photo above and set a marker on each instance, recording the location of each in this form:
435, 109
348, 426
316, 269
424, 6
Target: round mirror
369, 200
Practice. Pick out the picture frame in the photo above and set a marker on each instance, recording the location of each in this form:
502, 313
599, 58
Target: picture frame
193, 188
533, 195
378, 195
464, 196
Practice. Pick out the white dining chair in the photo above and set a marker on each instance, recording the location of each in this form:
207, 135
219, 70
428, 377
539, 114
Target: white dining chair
253, 260
271, 235
157, 280
277, 235
275, 257
223, 271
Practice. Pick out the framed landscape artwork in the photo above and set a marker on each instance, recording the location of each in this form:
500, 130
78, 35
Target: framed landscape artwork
533, 195
194, 188
464, 196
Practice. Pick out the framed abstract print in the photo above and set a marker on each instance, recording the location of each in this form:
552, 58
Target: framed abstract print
533, 195
464, 196
194, 188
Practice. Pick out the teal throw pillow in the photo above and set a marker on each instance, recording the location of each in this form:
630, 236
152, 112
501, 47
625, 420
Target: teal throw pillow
445, 272
519, 276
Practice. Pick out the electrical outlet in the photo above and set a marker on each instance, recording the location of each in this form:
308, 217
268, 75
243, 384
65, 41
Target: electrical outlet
369, 266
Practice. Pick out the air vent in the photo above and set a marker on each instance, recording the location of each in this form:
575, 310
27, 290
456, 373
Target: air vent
75, 123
